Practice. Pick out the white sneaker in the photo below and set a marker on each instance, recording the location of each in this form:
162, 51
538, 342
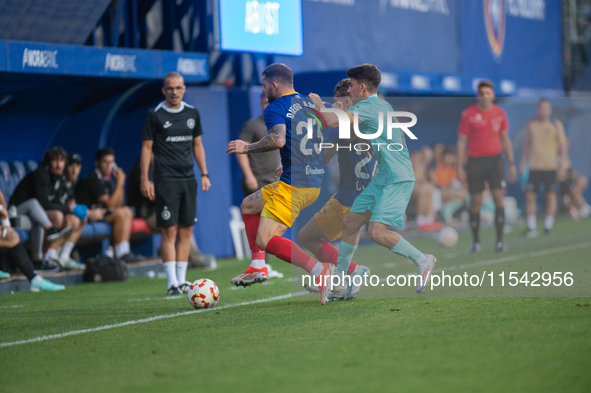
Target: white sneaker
425, 273
338, 292
353, 289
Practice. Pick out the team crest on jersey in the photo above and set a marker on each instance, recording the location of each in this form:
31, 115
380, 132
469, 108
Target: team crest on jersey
494, 18
191, 123
165, 214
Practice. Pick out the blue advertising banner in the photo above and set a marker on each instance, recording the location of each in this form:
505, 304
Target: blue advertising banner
514, 39
30, 57
420, 36
261, 26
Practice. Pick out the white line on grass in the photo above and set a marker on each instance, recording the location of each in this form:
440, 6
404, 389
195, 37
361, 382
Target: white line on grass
518, 257
16, 306
145, 320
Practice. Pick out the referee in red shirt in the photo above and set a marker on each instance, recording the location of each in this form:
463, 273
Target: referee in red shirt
483, 129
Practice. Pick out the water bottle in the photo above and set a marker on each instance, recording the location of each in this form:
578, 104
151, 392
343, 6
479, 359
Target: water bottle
12, 217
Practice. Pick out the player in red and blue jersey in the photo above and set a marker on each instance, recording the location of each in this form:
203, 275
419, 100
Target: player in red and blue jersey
290, 118
356, 171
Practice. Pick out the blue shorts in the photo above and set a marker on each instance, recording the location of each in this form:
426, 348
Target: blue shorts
387, 203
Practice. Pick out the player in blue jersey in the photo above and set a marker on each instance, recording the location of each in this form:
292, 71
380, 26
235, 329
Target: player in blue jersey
356, 170
268, 213
384, 201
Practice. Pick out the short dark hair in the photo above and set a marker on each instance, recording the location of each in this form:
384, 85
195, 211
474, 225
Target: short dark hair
279, 73
340, 90
105, 151
54, 153
486, 83
366, 73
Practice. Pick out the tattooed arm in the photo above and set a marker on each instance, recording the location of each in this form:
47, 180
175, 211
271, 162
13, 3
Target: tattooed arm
275, 139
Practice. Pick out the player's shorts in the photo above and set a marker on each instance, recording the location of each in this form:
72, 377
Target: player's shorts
283, 202
330, 218
485, 169
387, 203
537, 178
176, 202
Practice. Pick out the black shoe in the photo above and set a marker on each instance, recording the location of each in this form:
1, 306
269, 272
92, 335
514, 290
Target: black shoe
50, 266
184, 287
501, 247
474, 248
131, 258
54, 234
174, 291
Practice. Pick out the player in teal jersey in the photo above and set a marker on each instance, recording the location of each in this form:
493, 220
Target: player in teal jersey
384, 201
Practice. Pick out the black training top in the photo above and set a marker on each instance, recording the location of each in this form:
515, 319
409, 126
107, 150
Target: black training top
91, 188
172, 131
44, 187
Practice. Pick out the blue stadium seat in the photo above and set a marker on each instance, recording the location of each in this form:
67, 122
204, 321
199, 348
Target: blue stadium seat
7, 179
19, 169
31, 166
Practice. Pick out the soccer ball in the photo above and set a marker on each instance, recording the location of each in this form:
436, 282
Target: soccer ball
448, 237
203, 293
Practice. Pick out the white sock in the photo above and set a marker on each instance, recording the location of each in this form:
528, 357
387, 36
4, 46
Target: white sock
66, 251
421, 219
531, 221
422, 261
50, 254
181, 271
585, 211
170, 268
549, 222
37, 279
121, 249
258, 263
317, 269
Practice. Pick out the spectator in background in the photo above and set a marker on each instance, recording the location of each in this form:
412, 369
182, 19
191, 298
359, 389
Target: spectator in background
453, 193
37, 196
18, 258
96, 190
572, 186
422, 194
258, 170
67, 197
146, 209
544, 141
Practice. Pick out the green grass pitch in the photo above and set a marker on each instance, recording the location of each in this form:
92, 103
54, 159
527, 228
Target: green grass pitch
460, 339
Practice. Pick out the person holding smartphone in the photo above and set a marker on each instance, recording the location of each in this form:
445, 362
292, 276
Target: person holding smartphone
105, 188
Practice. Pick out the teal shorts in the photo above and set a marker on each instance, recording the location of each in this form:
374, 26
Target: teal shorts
387, 203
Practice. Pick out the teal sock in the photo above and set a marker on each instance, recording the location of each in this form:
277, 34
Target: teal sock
346, 252
405, 249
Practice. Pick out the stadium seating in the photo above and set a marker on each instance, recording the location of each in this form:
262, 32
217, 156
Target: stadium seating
92, 233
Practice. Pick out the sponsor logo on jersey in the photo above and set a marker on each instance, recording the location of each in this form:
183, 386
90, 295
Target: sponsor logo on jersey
179, 138
313, 171
167, 124
191, 123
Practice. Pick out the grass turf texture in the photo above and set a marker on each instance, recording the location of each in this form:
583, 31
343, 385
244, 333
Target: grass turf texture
455, 344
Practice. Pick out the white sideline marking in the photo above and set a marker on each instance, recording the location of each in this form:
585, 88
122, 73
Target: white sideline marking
518, 257
16, 306
509, 259
145, 320
157, 298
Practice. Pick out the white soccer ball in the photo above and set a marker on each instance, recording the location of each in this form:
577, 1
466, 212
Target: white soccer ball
203, 293
448, 237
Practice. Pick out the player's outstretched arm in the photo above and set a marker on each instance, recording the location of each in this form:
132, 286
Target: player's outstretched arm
275, 139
